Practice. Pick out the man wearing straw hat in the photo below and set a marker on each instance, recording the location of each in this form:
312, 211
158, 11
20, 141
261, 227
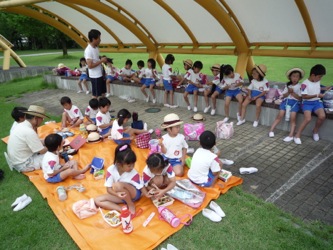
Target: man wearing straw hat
25, 149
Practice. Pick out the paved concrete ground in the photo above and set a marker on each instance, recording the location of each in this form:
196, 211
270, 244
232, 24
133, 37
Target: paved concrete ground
297, 178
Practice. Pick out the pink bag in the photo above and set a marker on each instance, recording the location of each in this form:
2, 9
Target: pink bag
84, 208
272, 95
142, 140
193, 131
224, 130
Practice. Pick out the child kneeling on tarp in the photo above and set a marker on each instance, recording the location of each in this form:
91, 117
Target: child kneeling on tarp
205, 165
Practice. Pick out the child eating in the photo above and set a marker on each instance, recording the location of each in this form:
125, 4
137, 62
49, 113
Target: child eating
72, 115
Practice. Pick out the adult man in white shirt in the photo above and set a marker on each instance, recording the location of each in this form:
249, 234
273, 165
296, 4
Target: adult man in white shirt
94, 62
25, 149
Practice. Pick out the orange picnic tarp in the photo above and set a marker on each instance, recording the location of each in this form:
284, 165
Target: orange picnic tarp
94, 232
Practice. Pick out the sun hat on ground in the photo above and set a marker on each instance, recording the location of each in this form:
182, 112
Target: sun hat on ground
188, 62
61, 65
171, 120
94, 137
216, 67
262, 69
198, 117
295, 69
36, 111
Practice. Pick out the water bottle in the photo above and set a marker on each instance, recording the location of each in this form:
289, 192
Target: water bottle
62, 195
158, 133
126, 221
288, 108
83, 131
168, 216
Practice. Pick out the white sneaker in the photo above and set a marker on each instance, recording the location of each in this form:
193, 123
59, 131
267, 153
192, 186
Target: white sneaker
248, 170
288, 139
154, 100
315, 137
238, 117
297, 141
23, 204
216, 208
195, 109
212, 112
210, 214
240, 122
80, 91
206, 109
255, 124
151, 131
18, 200
227, 162
87, 92
147, 99
188, 108
226, 119
107, 95
145, 126
171, 247
271, 134
166, 105
173, 106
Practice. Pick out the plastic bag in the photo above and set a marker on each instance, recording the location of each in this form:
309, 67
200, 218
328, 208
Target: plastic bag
224, 130
84, 208
193, 131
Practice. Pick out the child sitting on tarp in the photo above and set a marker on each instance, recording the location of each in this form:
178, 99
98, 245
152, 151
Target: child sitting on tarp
205, 165
53, 171
72, 115
103, 117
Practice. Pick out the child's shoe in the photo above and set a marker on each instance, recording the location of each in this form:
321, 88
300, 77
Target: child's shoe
271, 134
206, 109
147, 99
166, 105
195, 109
18, 200
107, 94
240, 122
154, 100
23, 204
80, 91
212, 112
288, 139
226, 119
217, 209
210, 214
297, 141
255, 124
188, 108
315, 137
238, 117
87, 92
173, 106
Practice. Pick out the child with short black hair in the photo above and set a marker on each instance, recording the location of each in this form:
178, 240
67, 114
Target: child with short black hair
310, 90
83, 77
194, 83
91, 111
148, 77
205, 165
167, 74
53, 171
158, 177
18, 116
111, 75
188, 66
126, 72
72, 115
211, 86
173, 144
103, 118
123, 183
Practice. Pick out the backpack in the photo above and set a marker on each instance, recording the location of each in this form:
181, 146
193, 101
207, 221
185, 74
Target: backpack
224, 130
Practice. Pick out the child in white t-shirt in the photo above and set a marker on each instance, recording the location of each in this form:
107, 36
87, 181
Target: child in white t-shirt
72, 115
158, 177
126, 72
167, 83
83, 77
256, 92
211, 86
53, 171
173, 144
205, 165
292, 95
111, 75
123, 183
148, 77
103, 118
91, 111
137, 78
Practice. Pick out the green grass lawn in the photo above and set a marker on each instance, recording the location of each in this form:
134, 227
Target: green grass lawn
250, 222
276, 66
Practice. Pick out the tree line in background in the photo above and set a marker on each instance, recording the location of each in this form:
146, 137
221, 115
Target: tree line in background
26, 33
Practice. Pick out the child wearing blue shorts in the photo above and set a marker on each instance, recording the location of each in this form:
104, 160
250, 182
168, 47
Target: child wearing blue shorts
167, 74
103, 118
193, 78
232, 83
292, 95
111, 75
148, 77
310, 90
256, 92
83, 77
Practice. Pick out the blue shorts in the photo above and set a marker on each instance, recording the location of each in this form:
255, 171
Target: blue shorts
112, 78
209, 182
93, 119
191, 88
84, 77
148, 81
137, 196
174, 161
255, 93
105, 130
295, 105
219, 90
232, 92
54, 179
167, 85
312, 106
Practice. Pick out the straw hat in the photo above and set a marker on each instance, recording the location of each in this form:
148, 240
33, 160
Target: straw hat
61, 65
188, 62
91, 128
295, 69
171, 120
94, 137
198, 118
215, 66
262, 69
36, 111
